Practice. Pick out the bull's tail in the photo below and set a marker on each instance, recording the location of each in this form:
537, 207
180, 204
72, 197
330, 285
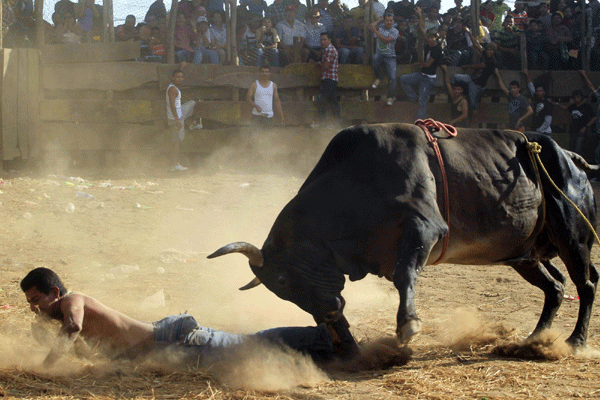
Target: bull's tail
581, 163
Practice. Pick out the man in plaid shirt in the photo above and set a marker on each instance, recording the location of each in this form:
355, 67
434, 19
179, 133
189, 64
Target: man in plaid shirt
329, 79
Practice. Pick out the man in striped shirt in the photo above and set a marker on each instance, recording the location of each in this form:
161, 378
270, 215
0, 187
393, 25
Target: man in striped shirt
329, 79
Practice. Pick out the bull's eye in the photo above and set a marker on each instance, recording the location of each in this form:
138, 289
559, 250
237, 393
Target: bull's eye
281, 280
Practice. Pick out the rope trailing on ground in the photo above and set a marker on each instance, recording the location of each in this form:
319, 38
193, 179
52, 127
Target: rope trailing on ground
427, 126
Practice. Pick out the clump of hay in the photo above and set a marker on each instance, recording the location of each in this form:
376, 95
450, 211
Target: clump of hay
378, 354
546, 345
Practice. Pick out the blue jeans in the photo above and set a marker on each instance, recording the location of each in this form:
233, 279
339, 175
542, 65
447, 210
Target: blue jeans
210, 53
389, 62
328, 94
352, 55
183, 55
425, 84
474, 91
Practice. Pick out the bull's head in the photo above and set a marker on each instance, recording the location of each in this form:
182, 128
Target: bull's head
306, 275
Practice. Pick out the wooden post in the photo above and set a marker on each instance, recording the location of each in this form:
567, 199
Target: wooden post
228, 31
234, 54
171, 32
105, 21
111, 22
475, 6
39, 23
1, 38
523, 50
368, 35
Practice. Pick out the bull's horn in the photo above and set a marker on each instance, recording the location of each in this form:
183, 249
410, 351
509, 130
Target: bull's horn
253, 283
247, 249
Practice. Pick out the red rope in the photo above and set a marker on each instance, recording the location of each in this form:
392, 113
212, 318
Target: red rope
425, 125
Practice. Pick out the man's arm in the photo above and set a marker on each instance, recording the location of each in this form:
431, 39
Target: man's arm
463, 107
421, 21
374, 29
277, 104
72, 307
250, 96
474, 40
500, 83
447, 78
527, 114
172, 97
529, 83
587, 81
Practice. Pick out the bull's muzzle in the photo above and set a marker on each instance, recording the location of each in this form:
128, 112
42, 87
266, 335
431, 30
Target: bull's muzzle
254, 255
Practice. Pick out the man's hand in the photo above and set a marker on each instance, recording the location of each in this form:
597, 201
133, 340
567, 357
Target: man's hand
178, 123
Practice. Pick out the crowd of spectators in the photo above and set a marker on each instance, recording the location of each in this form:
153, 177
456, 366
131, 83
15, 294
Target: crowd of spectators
287, 31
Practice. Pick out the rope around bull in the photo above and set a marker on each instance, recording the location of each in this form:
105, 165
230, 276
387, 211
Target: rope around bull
533, 149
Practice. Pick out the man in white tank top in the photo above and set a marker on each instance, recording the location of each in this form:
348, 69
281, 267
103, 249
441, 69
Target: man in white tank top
264, 99
177, 113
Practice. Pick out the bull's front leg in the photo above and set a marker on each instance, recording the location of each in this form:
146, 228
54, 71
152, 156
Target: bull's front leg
417, 240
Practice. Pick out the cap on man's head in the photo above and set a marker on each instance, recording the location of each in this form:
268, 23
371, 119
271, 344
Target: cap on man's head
290, 8
432, 32
202, 19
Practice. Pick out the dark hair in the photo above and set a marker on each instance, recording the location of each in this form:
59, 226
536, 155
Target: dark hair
388, 14
326, 33
177, 71
514, 83
44, 280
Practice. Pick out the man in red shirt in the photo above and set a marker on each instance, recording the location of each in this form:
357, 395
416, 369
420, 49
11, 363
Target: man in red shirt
329, 79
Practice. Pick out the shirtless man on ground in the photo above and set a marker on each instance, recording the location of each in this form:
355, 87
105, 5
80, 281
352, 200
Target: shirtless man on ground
118, 335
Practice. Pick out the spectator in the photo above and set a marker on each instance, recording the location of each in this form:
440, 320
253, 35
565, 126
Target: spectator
406, 44
276, 12
595, 10
583, 119
537, 58
70, 31
338, 12
184, 39
268, 40
499, 9
508, 41
519, 15
256, 7
205, 48
595, 93
432, 19
425, 79
311, 51
289, 29
349, 42
541, 121
385, 53
480, 34
403, 9
264, 99
558, 38
326, 18
127, 31
301, 10
218, 31
21, 32
249, 51
64, 7
459, 106
518, 106
156, 10
458, 52
378, 8
329, 79
213, 6
458, 11
86, 11
483, 70
177, 113
545, 17
157, 45
144, 35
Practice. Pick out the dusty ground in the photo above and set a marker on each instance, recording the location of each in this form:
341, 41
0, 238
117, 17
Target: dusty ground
140, 246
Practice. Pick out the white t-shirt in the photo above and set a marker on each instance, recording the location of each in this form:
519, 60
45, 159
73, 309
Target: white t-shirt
177, 103
263, 97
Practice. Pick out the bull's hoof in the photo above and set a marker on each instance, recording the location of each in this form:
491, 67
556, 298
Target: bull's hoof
407, 331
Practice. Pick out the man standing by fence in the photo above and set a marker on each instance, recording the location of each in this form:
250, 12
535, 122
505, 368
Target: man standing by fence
329, 79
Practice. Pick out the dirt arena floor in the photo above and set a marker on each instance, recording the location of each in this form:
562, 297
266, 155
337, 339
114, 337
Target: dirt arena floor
140, 246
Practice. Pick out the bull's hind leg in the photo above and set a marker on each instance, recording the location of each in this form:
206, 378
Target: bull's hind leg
418, 238
551, 281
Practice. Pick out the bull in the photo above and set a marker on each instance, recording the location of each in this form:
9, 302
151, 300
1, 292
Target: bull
374, 202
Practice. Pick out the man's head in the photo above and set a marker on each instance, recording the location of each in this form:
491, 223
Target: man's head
130, 21
577, 96
544, 10
458, 90
265, 71
315, 16
290, 14
42, 287
490, 49
540, 92
388, 20
432, 13
177, 77
514, 88
432, 36
325, 39
508, 21
217, 19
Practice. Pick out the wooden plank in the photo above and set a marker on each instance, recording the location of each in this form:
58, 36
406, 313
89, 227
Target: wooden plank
116, 111
9, 105
22, 104
101, 76
200, 74
33, 101
94, 52
243, 80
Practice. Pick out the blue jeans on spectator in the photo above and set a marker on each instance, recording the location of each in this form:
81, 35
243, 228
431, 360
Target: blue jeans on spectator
352, 55
199, 55
389, 62
183, 55
425, 84
328, 94
272, 55
474, 91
